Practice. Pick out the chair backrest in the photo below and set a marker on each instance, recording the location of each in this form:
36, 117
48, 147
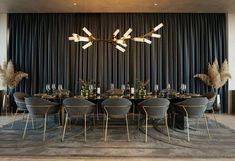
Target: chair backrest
19, 98
211, 96
38, 107
116, 107
78, 106
155, 107
195, 107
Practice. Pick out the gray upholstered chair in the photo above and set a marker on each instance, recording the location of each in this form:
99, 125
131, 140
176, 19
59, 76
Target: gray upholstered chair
155, 108
40, 108
77, 107
192, 108
19, 98
211, 96
116, 108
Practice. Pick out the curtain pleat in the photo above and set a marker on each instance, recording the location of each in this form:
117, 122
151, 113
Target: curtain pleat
39, 45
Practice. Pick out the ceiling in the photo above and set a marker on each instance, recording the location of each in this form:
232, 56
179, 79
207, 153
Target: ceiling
68, 6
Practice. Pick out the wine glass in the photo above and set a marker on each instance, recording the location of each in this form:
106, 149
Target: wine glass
184, 88
48, 88
111, 86
123, 87
156, 88
60, 88
169, 86
53, 87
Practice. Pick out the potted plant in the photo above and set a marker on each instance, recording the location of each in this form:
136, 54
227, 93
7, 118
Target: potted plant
9, 78
142, 91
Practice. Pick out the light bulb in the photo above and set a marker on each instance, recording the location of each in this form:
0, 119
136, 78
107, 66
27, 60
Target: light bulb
72, 38
147, 41
158, 27
81, 38
127, 33
139, 39
116, 32
87, 45
120, 48
156, 35
86, 31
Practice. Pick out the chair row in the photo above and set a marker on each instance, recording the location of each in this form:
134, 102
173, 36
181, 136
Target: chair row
155, 108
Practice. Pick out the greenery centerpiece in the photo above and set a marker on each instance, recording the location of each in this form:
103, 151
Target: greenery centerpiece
10, 78
85, 89
142, 90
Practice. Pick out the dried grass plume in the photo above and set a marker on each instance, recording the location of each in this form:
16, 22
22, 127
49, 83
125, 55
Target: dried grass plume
216, 77
9, 77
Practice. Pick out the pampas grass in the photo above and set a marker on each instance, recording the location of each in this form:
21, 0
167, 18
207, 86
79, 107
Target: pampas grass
216, 77
8, 77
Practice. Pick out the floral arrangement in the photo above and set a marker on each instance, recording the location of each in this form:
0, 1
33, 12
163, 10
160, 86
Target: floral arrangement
85, 90
8, 77
217, 76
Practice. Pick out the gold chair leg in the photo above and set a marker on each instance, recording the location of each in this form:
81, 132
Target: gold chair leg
146, 128
14, 118
138, 120
106, 128
127, 129
66, 120
104, 122
209, 136
213, 112
32, 122
173, 124
23, 115
197, 123
45, 127
25, 127
187, 128
94, 120
169, 139
85, 126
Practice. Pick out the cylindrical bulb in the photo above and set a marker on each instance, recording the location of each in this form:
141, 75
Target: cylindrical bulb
116, 32
158, 27
86, 31
127, 32
87, 45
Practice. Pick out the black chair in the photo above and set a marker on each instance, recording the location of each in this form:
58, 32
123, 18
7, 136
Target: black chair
19, 98
78, 107
116, 108
192, 108
155, 108
40, 108
211, 96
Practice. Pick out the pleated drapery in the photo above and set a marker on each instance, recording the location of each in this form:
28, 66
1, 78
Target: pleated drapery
39, 45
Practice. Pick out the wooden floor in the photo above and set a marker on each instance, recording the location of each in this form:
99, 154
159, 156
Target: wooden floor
228, 120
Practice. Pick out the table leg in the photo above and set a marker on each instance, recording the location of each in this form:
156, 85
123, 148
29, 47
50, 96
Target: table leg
133, 111
97, 111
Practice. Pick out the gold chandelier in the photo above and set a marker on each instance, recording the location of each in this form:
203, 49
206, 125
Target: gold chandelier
120, 44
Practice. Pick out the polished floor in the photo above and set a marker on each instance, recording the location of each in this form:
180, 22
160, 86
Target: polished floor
228, 120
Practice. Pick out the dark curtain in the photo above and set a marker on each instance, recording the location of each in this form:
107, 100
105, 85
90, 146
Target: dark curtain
39, 45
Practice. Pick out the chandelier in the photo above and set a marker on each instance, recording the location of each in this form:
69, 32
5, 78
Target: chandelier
120, 44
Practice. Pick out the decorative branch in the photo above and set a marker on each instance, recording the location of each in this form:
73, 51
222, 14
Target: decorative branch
216, 77
120, 44
9, 77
